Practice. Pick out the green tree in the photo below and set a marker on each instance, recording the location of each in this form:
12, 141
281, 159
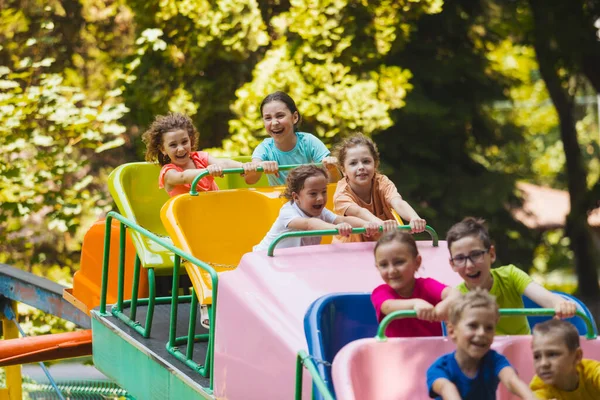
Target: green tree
567, 56
434, 151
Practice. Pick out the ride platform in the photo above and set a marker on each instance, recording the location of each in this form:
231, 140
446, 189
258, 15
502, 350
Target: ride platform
143, 365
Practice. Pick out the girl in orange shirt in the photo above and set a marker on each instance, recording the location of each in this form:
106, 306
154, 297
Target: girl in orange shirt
367, 194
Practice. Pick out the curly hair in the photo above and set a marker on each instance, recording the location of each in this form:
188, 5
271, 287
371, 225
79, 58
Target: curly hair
296, 178
285, 99
153, 137
357, 139
469, 226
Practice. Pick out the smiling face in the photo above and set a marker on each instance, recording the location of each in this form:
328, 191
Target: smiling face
313, 195
397, 265
279, 120
177, 146
359, 165
474, 270
474, 332
554, 363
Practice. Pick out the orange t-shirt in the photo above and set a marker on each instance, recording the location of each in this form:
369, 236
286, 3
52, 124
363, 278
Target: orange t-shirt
382, 193
206, 184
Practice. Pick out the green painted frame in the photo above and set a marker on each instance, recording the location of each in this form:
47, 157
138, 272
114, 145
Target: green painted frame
174, 299
303, 359
194, 190
504, 312
330, 232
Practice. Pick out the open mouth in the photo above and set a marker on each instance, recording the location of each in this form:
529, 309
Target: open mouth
317, 207
474, 275
545, 375
277, 132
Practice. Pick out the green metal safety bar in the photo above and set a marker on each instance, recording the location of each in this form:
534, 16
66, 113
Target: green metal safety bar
304, 359
330, 232
194, 191
504, 312
174, 299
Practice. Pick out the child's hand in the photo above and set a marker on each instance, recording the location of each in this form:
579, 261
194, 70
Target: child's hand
250, 167
565, 309
372, 228
329, 162
425, 311
417, 225
344, 229
270, 167
215, 170
390, 225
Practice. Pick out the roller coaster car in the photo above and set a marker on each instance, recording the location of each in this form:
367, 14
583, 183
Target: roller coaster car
260, 302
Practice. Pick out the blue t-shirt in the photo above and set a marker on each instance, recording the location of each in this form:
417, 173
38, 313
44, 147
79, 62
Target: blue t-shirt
308, 149
482, 387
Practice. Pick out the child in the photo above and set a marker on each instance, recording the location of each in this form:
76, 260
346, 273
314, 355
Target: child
367, 194
562, 374
473, 371
170, 140
285, 146
397, 259
472, 255
307, 194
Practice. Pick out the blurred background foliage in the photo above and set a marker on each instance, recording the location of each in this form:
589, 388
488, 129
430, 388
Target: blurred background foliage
450, 91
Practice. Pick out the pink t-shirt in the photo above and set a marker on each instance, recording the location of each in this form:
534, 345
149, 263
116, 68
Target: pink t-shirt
206, 184
427, 289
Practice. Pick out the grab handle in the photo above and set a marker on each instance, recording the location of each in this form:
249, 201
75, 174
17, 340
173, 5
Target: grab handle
194, 191
331, 232
504, 312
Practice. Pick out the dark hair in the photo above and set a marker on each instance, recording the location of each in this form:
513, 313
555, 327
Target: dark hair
469, 226
400, 237
162, 124
564, 329
476, 298
296, 178
285, 99
357, 139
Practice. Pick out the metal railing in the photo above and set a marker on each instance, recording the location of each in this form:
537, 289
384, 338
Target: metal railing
303, 359
504, 312
331, 232
151, 301
204, 174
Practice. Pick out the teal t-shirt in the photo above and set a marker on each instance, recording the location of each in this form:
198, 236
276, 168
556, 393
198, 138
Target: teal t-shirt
508, 287
308, 149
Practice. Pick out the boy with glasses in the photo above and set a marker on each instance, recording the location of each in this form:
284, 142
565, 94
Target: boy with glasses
472, 255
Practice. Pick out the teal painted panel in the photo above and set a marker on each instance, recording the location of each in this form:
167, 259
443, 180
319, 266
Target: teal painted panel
135, 370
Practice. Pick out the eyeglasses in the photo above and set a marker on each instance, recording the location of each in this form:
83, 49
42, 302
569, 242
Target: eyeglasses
475, 256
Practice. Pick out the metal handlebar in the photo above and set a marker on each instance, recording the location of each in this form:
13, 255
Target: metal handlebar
205, 173
504, 312
330, 232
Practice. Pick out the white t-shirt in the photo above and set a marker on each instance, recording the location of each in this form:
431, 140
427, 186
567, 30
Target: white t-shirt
288, 212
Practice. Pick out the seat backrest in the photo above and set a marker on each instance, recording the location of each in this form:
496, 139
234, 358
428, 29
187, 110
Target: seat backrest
134, 188
391, 370
333, 321
220, 227
578, 322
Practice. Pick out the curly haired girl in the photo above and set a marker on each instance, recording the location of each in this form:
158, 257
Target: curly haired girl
305, 211
171, 141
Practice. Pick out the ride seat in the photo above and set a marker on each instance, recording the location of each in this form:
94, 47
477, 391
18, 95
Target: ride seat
134, 188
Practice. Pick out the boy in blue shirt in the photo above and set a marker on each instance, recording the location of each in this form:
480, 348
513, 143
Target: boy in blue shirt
473, 371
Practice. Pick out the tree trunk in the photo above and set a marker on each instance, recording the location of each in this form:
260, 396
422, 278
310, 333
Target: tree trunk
577, 227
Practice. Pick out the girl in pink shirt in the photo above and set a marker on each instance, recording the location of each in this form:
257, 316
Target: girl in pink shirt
171, 140
397, 259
